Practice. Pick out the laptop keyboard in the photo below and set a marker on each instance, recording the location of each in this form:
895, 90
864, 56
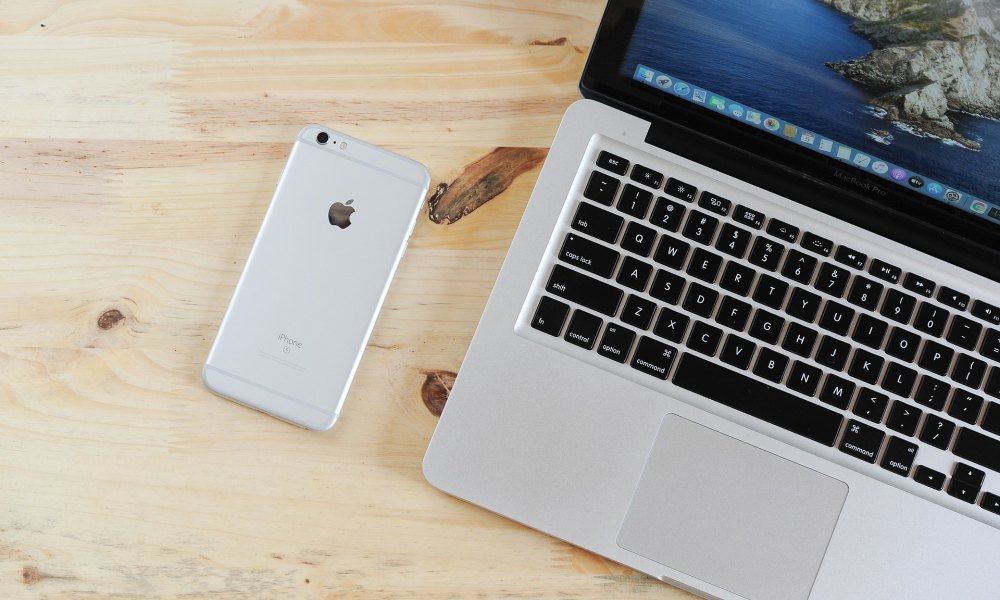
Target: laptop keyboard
768, 318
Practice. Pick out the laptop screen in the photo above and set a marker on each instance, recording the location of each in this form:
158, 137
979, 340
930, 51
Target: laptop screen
902, 98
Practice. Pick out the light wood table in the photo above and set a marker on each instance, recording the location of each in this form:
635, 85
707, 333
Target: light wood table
140, 143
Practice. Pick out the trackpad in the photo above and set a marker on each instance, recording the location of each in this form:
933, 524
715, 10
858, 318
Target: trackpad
731, 514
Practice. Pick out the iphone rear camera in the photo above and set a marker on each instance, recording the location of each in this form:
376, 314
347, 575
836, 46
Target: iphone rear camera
322, 137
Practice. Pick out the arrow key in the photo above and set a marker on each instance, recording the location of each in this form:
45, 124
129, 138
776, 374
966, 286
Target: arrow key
991, 502
963, 491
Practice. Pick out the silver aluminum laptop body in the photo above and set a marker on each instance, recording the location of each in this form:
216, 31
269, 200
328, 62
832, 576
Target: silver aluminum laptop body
533, 431
658, 442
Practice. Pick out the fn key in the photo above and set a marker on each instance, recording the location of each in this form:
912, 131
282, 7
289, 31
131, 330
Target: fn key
549, 316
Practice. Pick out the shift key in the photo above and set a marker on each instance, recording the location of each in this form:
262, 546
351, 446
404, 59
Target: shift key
978, 448
584, 290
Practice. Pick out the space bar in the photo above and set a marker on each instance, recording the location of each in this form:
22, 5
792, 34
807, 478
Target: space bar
758, 399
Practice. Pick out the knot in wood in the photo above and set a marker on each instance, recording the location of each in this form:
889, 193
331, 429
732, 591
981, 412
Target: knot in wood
110, 318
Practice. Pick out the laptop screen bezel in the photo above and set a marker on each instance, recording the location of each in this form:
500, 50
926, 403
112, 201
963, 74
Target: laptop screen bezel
832, 187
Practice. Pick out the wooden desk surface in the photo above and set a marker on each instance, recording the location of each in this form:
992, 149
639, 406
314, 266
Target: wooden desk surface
140, 143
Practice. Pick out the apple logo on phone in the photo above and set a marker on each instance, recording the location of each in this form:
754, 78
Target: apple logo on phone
340, 214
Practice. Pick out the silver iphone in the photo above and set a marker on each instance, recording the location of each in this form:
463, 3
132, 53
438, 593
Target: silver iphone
312, 287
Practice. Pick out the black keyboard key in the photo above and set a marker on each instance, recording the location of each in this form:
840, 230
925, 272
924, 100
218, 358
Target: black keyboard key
667, 214
749, 217
817, 244
866, 366
799, 266
737, 278
635, 201
992, 386
920, 286
638, 312
870, 331
634, 273
638, 239
733, 313
770, 291
704, 265
952, 298
766, 326
929, 477
930, 319
612, 162
585, 290
704, 338
836, 318
969, 474
737, 352
932, 392
851, 258
616, 342
899, 380
671, 252
963, 491
966, 406
700, 227
899, 455
902, 344
969, 371
583, 329
601, 188
803, 305
885, 271
871, 405
837, 391
979, 448
653, 357
667, 287
986, 312
783, 231
832, 353
550, 316
733, 240
700, 300
861, 441
647, 176
799, 339
898, 306
671, 325
766, 254
597, 222
589, 256
990, 347
832, 280
716, 204
865, 293
679, 189
991, 502
804, 378
935, 357
758, 399
964, 332
770, 365
937, 431
903, 418
991, 420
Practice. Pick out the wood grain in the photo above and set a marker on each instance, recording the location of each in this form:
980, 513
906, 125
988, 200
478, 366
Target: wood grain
139, 146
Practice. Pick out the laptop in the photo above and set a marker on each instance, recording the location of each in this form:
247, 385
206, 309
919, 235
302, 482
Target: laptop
747, 336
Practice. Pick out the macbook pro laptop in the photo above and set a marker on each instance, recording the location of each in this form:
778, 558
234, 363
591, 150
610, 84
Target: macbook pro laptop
747, 336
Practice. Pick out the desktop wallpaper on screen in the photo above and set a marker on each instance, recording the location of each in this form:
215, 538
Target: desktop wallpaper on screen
911, 83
